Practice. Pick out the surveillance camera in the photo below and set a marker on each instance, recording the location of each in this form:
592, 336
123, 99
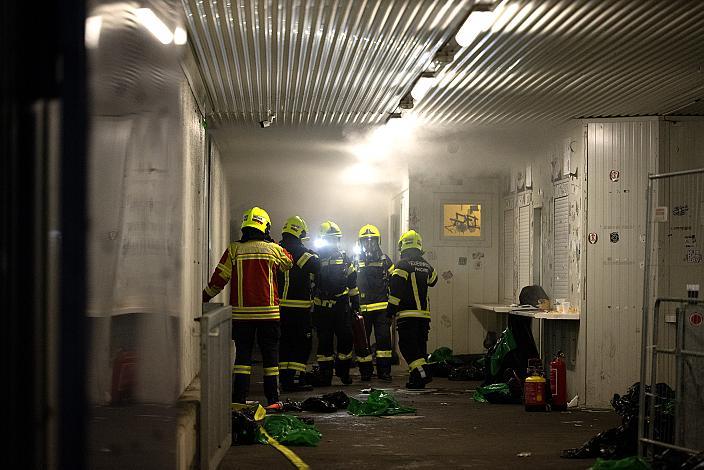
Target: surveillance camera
265, 123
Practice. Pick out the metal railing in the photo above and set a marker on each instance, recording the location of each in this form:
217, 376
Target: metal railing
216, 383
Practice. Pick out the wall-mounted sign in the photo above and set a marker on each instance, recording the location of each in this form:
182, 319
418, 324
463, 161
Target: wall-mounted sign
696, 319
613, 237
680, 210
614, 175
593, 237
661, 214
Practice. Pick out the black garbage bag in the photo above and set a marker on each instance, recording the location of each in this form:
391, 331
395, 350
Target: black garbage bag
622, 441
291, 406
532, 295
339, 399
245, 429
468, 372
318, 405
441, 362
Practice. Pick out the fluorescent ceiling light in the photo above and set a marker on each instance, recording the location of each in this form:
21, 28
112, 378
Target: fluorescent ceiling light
421, 88
92, 33
154, 25
477, 23
180, 36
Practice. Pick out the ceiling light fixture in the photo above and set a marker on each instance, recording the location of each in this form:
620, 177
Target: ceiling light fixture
155, 26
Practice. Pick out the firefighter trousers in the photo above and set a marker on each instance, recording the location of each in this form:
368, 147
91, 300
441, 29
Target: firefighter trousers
295, 344
331, 322
381, 325
266, 333
413, 343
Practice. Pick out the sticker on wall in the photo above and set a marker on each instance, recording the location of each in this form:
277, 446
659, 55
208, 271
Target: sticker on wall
690, 241
462, 261
613, 237
447, 275
614, 175
593, 238
680, 210
696, 319
694, 256
661, 214
478, 255
478, 265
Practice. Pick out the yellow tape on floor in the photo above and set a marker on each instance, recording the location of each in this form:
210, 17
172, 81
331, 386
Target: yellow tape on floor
288, 453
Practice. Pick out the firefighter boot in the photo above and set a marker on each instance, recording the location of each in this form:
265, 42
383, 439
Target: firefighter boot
365, 370
240, 387
271, 389
418, 378
286, 377
342, 370
383, 369
300, 384
325, 375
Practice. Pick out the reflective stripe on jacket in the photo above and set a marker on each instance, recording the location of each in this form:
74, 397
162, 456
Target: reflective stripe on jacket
252, 268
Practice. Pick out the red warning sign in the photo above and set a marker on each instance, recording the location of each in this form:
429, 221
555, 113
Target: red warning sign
696, 319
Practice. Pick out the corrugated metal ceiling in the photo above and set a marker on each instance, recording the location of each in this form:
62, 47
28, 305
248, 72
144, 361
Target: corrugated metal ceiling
330, 62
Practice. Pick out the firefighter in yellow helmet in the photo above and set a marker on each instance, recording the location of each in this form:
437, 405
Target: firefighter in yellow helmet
374, 269
296, 306
251, 264
408, 300
336, 295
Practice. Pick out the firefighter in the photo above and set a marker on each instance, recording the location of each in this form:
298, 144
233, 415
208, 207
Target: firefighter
408, 300
296, 305
251, 263
373, 271
336, 295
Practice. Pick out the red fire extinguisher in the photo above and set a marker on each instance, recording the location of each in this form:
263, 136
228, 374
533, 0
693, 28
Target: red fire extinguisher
359, 336
534, 387
558, 382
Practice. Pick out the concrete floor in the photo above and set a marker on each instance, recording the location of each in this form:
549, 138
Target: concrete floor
450, 430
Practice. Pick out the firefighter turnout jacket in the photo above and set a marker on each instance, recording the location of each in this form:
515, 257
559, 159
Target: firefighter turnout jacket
252, 266
373, 282
408, 293
295, 284
336, 279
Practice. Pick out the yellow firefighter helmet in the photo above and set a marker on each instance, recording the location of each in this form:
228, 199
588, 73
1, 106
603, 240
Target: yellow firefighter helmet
256, 218
410, 239
330, 229
297, 227
369, 231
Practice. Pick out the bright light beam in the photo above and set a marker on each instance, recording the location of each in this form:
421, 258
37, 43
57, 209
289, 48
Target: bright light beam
180, 36
92, 34
155, 26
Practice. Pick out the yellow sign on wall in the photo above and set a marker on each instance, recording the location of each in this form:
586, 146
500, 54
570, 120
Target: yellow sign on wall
462, 220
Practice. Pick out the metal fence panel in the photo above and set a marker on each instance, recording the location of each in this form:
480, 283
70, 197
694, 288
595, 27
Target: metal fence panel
672, 365
216, 383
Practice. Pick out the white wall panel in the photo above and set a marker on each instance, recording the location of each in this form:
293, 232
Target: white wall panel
616, 213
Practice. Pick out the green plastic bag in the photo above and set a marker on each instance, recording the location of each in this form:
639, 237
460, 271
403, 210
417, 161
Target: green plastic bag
442, 354
506, 344
629, 463
379, 403
499, 389
289, 430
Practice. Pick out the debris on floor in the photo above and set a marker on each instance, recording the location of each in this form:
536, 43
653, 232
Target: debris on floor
379, 403
499, 393
629, 463
524, 454
289, 430
622, 441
